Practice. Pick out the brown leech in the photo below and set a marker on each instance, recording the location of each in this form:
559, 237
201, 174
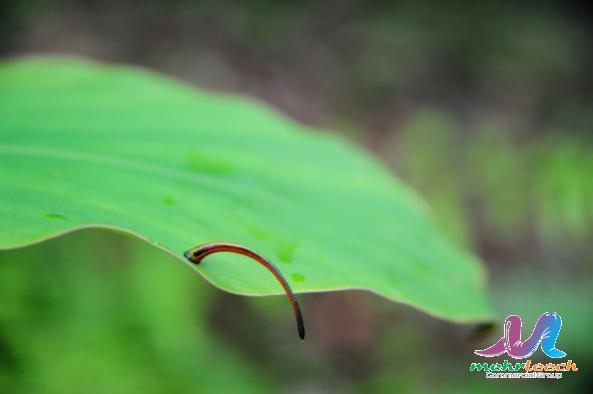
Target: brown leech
196, 254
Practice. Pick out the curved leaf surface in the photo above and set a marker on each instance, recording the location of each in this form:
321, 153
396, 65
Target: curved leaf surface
88, 145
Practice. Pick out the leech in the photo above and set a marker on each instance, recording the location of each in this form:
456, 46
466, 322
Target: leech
196, 254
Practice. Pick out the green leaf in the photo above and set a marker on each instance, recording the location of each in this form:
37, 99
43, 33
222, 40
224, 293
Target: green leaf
86, 145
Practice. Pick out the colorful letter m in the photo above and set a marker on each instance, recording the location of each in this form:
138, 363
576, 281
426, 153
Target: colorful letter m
545, 333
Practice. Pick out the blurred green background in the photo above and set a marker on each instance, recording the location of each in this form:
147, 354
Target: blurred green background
486, 109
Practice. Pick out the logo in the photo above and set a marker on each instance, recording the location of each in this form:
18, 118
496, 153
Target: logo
544, 335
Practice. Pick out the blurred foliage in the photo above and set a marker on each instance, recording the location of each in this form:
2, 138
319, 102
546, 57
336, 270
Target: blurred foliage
95, 312
359, 63
514, 189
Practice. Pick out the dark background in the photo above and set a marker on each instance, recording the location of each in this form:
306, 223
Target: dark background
485, 108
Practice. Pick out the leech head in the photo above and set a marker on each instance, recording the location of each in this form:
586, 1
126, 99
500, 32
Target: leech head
188, 255
195, 255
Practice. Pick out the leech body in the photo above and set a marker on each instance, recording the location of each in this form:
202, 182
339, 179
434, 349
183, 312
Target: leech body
196, 254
